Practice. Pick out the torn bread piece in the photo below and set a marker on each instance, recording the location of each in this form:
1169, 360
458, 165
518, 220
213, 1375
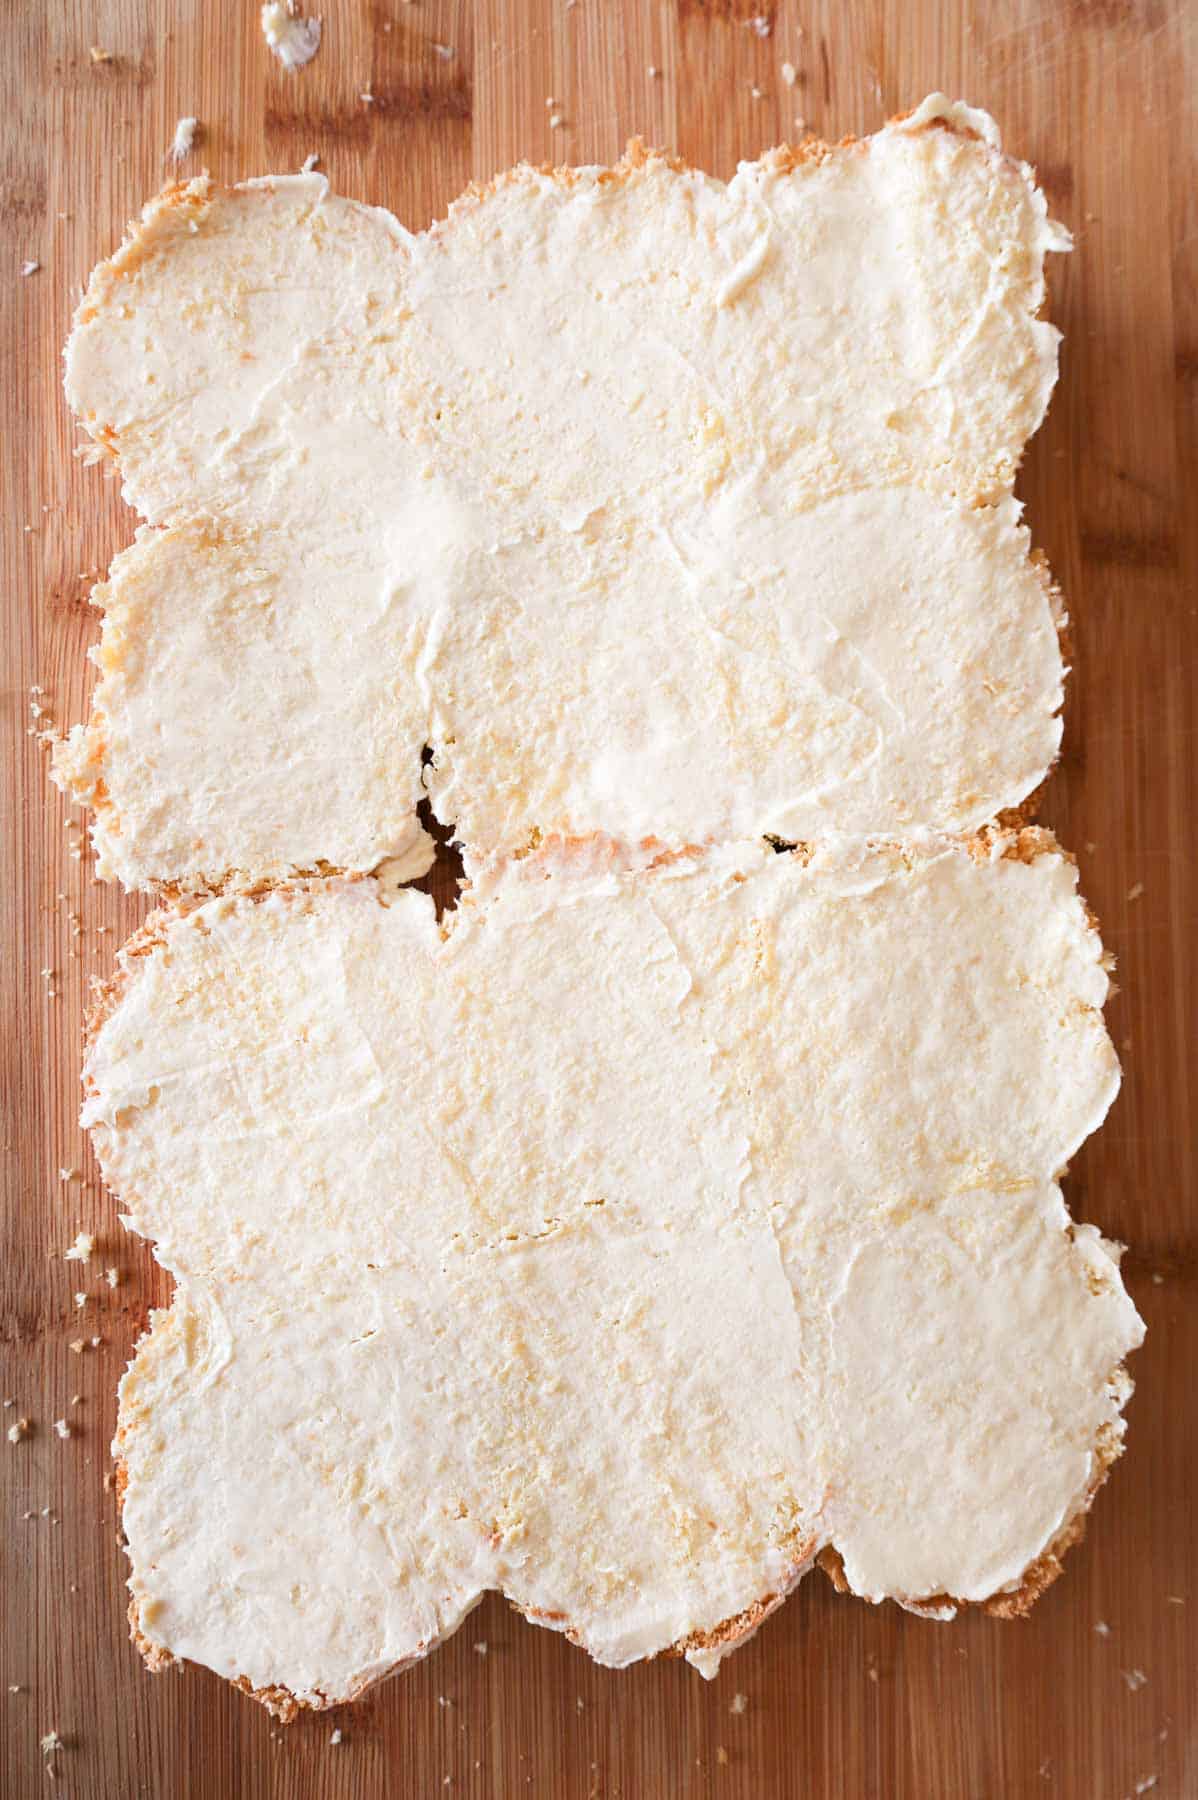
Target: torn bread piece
631, 1308
653, 505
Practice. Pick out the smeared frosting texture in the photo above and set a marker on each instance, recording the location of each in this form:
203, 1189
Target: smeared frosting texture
623, 1244
653, 505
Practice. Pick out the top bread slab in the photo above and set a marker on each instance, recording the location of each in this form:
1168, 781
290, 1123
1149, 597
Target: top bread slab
650, 505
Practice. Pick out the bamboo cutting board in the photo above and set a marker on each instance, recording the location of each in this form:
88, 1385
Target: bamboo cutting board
840, 1699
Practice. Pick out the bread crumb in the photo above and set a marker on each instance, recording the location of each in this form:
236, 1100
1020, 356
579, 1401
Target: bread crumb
99, 55
1135, 1679
1102, 1628
480, 1649
721, 1756
81, 1249
31, 267
62, 1428
106, 1483
653, 71
366, 99
52, 1742
555, 119
18, 1431
184, 139
445, 51
1172, 1599
112, 1276
293, 40
762, 25
96, 1342
309, 163
76, 1346
789, 74
757, 93
1134, 892
335, 1735
740, 1703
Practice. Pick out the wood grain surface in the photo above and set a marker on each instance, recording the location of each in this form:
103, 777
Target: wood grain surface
840, 1698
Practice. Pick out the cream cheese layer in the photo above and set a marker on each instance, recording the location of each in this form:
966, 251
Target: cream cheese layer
653, 505
621, 1245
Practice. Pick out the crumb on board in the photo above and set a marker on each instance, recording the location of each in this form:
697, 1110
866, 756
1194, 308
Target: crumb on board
292, 39
112, 1276
1102, 1628
62, 1428
1135, 1679
30, 267
81, 1249
98, 54
740, 1703
183, 142
789, 74
335, 1735
1136, 889
480, 1649
20, 1428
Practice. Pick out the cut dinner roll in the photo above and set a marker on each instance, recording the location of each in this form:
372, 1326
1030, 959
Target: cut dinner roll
626, 1242
650, 505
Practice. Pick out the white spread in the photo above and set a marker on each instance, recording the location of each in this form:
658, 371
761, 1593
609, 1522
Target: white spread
654, 505
619, 1246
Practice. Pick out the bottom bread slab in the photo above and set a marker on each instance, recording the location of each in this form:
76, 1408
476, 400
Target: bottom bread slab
625, 1243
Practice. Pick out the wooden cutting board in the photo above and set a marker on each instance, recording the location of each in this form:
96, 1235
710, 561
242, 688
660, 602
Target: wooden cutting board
1095, 1696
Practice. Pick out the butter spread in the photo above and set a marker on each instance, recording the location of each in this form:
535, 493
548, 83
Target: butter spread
653, 505
621, 1245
